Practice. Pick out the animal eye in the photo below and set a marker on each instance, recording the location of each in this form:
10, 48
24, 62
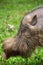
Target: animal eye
23, 31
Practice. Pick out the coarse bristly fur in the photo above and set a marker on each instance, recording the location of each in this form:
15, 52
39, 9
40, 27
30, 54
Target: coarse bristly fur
29, 36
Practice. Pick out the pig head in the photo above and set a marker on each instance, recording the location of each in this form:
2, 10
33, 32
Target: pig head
29, 36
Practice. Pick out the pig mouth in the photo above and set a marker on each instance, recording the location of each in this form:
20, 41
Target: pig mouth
9, 54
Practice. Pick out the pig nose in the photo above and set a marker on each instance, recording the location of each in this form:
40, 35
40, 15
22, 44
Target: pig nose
3, 46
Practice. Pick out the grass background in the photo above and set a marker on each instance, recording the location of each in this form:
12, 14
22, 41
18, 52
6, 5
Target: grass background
12, 12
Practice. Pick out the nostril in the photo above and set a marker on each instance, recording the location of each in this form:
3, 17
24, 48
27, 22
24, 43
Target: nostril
3, 45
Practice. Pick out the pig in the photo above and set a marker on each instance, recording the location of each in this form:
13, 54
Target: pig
28, 38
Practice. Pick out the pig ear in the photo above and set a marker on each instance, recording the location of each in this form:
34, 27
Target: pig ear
34, 20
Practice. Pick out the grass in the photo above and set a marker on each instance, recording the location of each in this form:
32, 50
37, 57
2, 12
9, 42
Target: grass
12, 12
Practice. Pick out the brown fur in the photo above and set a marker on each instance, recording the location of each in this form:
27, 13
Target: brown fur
29, 36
